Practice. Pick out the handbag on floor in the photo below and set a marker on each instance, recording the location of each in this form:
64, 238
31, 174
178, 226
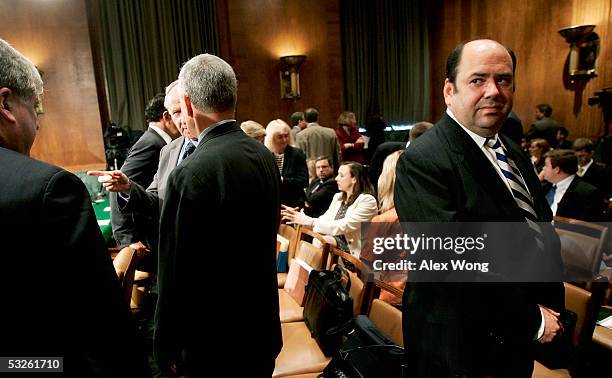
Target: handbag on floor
368, 353
328, 307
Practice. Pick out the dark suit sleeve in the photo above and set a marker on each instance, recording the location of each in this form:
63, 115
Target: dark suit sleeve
100, 313
140, 166
145, 201
421, 190
298, 175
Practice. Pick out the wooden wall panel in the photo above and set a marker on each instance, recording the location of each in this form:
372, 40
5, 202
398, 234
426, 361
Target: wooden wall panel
263, 31
530, 28
54, 36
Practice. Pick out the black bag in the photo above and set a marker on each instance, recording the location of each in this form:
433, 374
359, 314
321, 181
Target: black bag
559, 353
328, 308
367, 352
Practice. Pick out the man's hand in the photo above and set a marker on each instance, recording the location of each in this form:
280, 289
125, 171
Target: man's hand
552, 326
113, 181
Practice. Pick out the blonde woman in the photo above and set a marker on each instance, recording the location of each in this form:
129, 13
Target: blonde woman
291, 163
386, 224
254, 130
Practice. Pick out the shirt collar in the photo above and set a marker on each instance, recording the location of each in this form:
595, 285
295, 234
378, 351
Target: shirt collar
565, 183
587, 165
167, 138
214, 125
187, 140
480, 141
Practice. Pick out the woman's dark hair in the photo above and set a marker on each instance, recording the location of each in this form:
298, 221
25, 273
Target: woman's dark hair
362, 184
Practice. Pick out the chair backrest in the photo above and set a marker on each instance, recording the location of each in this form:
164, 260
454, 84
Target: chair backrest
315, 256
582, 245
388, 319
290, 233
361, 279
125, 266
579, 301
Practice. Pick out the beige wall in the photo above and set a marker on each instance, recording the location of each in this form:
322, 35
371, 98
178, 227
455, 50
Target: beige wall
54, 36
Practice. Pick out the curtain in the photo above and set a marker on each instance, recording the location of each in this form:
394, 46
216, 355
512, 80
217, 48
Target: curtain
145, 42
386, 59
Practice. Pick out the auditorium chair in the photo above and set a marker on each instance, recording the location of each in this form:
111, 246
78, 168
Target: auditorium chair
290, 233
289, 309
582, 245
301, 353
125, 266
580, 302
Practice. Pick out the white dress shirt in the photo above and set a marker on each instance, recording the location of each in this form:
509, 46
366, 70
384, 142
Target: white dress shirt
561, 188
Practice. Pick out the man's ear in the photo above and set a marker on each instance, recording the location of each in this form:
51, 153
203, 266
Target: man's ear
6, 108
188, 105
447, 91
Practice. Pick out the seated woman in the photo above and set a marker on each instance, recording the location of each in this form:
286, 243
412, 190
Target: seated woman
341, 223
351, 141
291, 162
537, 149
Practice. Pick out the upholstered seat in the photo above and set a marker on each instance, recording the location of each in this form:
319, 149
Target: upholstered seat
281, 278
388, 319
290, 310
290, 233
300, 353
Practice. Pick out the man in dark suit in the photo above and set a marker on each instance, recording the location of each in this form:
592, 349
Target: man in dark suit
134, 198
321, 190
140, 166
596, 174
220, 216
453, 173
60, 293
544, 127
569, 196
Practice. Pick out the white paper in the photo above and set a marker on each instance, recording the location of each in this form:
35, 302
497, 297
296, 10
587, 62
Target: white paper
607, 322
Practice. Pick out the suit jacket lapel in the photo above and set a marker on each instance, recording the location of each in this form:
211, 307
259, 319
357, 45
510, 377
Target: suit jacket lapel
288, 160
175, 152
479, 167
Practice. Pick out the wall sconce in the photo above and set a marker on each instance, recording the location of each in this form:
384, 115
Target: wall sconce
584, 51
290, 76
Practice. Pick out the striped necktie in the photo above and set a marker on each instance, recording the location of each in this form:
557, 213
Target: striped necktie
188, 150
518, 188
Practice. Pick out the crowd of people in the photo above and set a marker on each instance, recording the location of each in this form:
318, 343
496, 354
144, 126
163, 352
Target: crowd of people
196, 174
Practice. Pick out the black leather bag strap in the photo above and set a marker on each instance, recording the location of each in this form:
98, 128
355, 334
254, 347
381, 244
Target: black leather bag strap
342, 271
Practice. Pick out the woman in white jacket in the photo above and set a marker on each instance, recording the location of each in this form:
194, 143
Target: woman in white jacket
341, 223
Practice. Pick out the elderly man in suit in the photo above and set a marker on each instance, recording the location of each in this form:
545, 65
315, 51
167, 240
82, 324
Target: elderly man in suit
70, 303
463, 171
140, 166
569, 196
134, 197
221, 206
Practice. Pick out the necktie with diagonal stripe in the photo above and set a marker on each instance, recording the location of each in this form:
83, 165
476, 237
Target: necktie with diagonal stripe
188, 150
517, 186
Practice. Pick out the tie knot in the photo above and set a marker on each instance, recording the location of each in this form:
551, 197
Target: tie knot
493, 143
